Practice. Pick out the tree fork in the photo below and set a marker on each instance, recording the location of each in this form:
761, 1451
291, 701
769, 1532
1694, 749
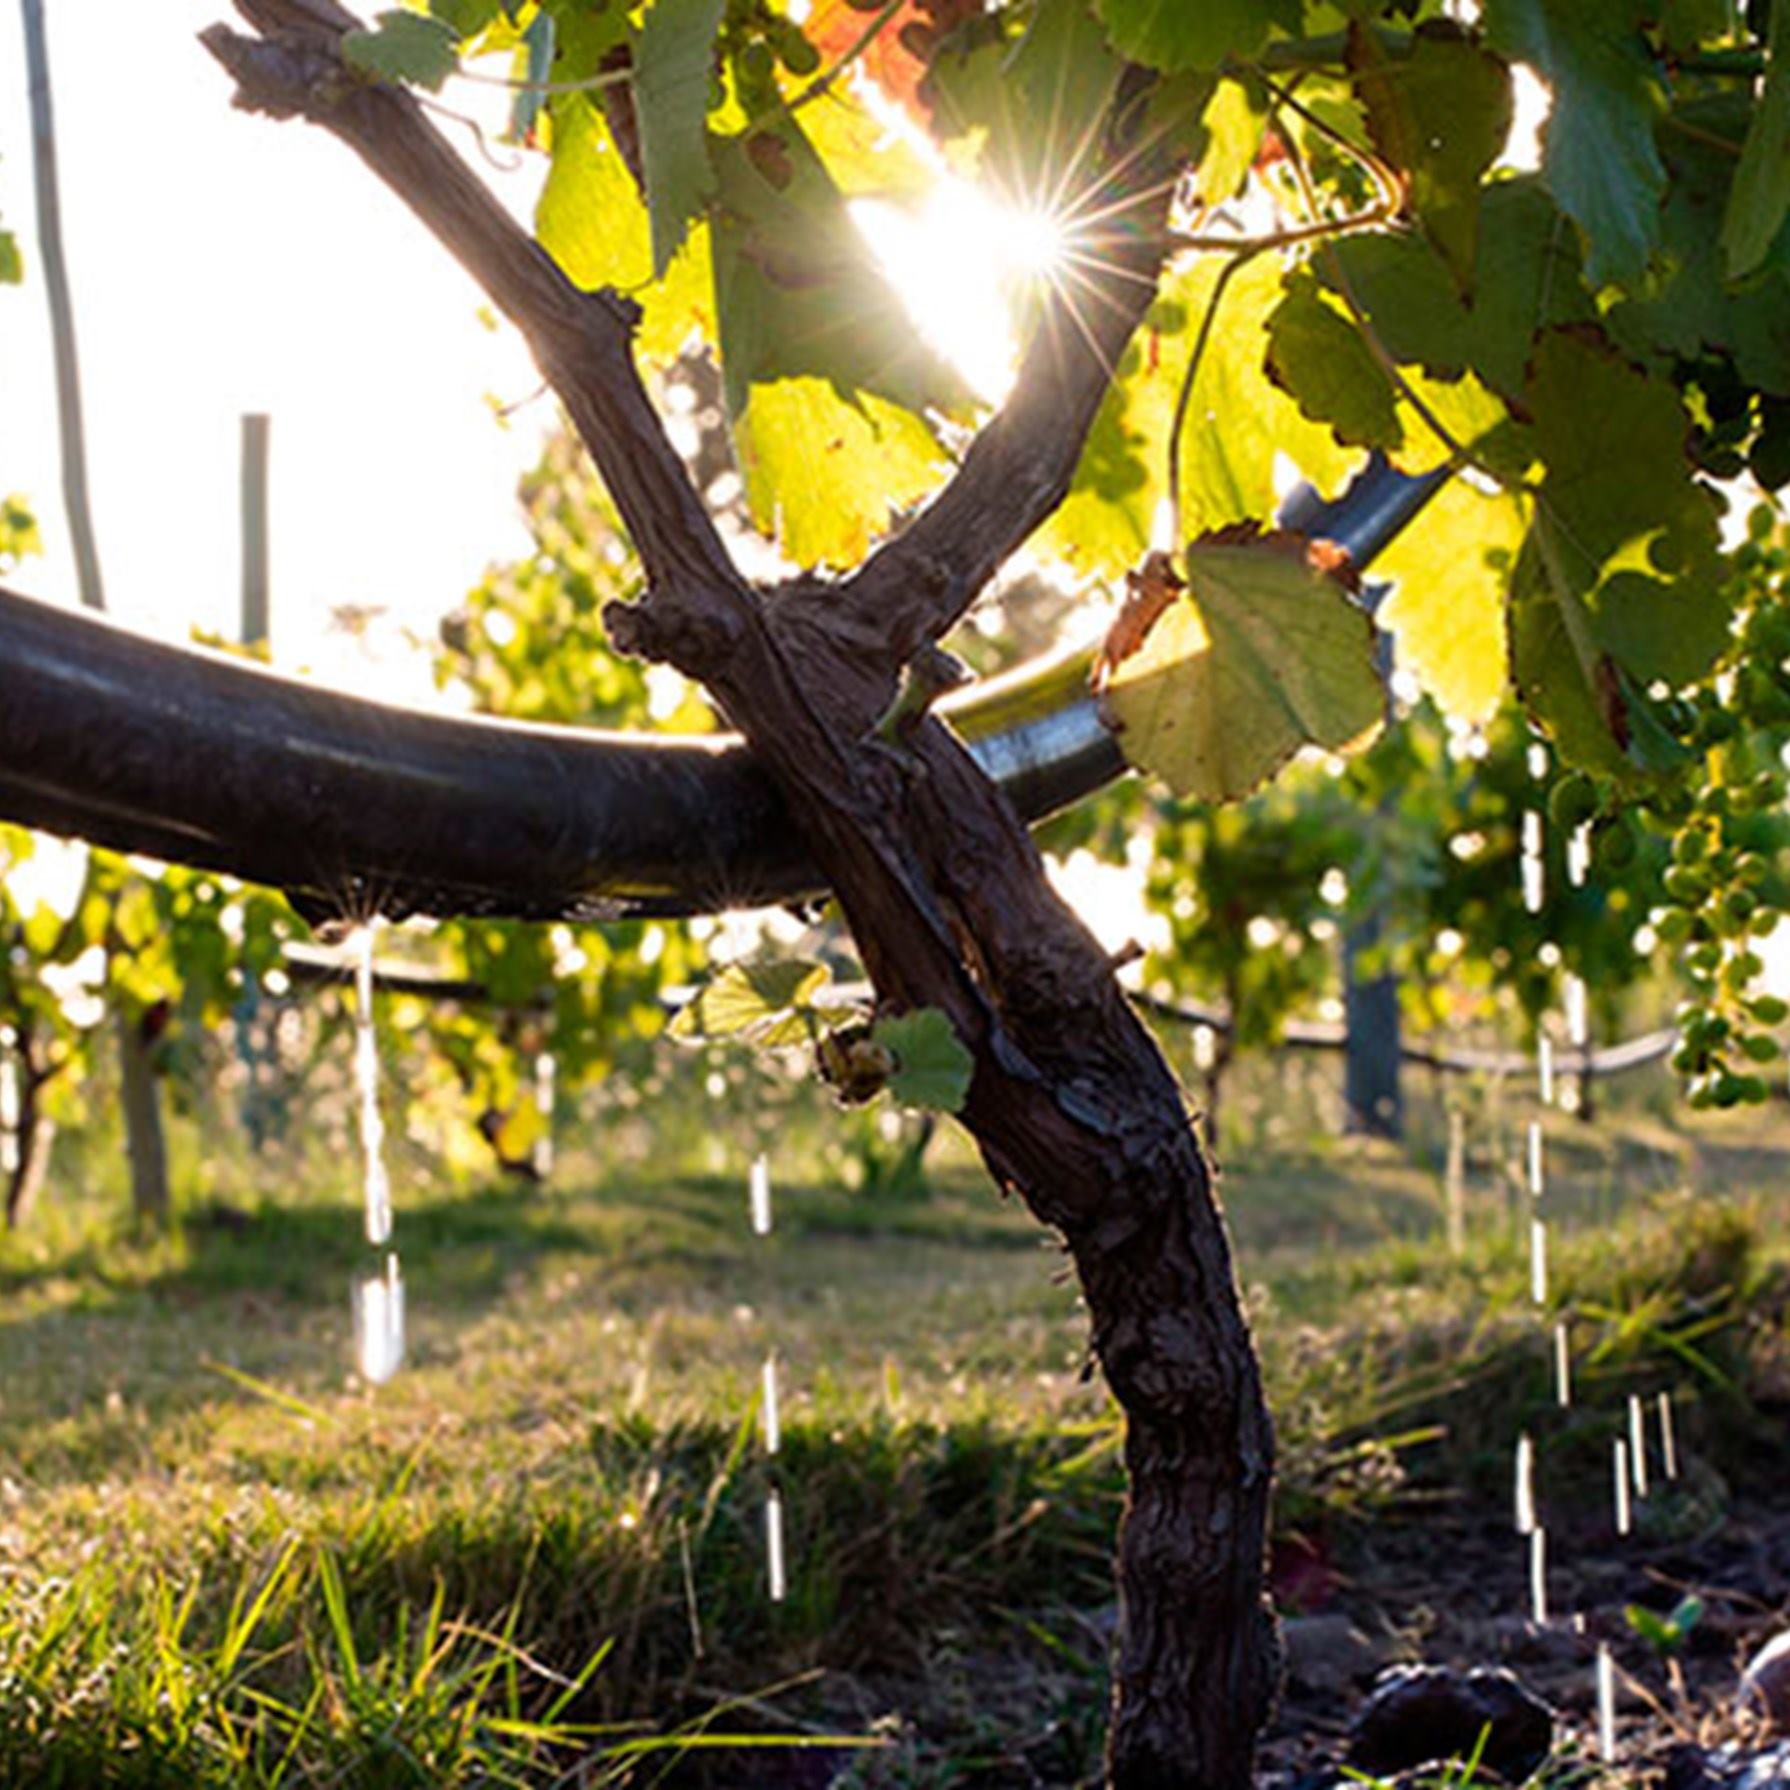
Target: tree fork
1069, 1101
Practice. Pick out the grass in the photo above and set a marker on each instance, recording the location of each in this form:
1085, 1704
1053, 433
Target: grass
537, 1556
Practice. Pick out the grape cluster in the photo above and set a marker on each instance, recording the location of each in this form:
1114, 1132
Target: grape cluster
754, 41
1723, 812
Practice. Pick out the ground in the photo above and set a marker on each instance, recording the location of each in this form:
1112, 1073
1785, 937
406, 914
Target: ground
220, 1550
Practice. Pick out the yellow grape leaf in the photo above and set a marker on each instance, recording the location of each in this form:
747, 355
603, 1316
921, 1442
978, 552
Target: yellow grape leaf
591, 220
1451, 572
824, 476
1264, 654
1238, 424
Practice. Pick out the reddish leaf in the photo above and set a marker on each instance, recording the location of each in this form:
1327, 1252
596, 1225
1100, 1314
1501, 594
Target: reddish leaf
900, 57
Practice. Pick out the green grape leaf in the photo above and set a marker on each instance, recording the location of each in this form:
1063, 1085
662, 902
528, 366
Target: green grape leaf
933, 1066
1632, 531
405, 46
1685, 24
1170, 35
1264, 654
465, 18
747, 1000
1326, 364
12, 263
1322, 360
536, 53
1761, 194
1620, 581
672, 61
590, 220
1451, 573
1440, 118
1238, 422
1598, 152
823, 372
1691, 309
797, 289
825, 474
1525, 279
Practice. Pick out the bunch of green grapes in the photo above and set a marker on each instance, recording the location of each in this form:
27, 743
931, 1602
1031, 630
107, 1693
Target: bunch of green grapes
754, 41
1723, 811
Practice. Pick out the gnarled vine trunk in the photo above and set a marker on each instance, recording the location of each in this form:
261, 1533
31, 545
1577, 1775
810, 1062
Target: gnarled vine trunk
1070, 1102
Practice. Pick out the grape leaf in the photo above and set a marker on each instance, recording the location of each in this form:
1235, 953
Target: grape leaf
589, 219
900, 54
932, 1064
1598, 152
1525, 279
1264, 654
1620, 581
1233, 121
1319, 357
1684, 24
747, 999
1446, 614
1170, 35
1761, 195
824, 474
797, 290
465, 18
12, 263
1238, 424
1691, 309
1440, 117
1640, 536
672, 60
1060, 78
539, 46
404, 46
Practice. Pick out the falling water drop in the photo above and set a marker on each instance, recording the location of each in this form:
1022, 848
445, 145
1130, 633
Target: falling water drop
759, 1187
1562, 1367
773, 1422
1525, 1485
1619, 1466
1534, 888
1538, 1261
376, 1187
379, 1321
1544, 1063
773, 1543
1536, 1181
1668, 1440
1578, 855
1578, 1026
1538, 1575
1606, 1704
377, 1297
1637, 1443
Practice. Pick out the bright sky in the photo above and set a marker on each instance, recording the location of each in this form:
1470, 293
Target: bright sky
224, 263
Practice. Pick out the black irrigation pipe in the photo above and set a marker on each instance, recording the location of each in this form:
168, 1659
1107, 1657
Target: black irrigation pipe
359, 808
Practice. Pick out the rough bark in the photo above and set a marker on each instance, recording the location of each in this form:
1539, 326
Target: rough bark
1070, 1102
141, 1100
